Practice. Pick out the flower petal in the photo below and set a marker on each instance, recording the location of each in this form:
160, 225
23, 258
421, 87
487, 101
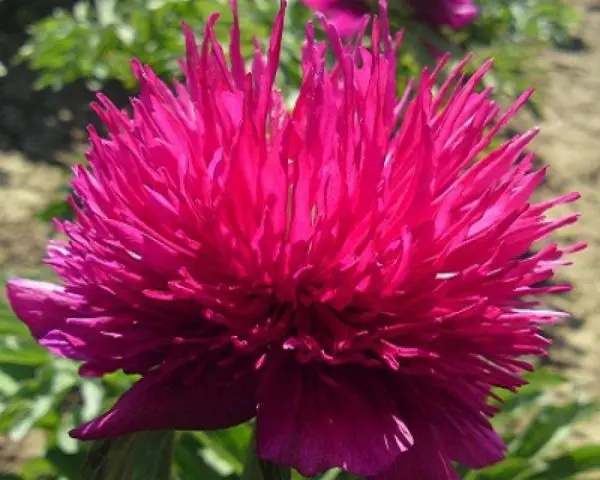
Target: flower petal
187, 399
425, 460
473, 445
42, 306
461, 428
316, 417
449, 425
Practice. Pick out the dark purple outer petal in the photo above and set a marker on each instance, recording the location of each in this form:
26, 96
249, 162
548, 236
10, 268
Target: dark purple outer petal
41, 306
189, 398
312, 417
427, 460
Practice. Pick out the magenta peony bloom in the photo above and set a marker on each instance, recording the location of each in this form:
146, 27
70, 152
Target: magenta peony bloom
347, 14
354, 272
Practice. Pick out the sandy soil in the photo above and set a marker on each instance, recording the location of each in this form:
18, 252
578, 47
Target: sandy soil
31, 175
570, 143
25, 190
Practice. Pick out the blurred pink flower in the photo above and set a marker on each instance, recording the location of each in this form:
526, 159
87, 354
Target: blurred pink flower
354, 272
347, 14
455, 14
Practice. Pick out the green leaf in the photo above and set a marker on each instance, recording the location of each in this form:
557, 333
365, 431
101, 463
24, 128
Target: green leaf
539, 382
92, 395
64, 441
9, 324
38, 398
37, 468
542, 378
189, 464
331, 474
580, 460
141, 456
59, 209
549, 428
106, 12
8, 385
40, 407
270, 471
228, 446
24, 356
67, 466
505, 470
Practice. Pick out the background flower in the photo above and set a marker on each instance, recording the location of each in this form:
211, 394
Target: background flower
346, 14
452, 13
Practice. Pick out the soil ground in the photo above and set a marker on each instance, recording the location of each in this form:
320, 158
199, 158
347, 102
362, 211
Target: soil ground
569, 142
37, 132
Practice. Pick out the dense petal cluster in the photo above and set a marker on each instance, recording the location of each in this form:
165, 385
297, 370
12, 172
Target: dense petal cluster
347, 14
356, 272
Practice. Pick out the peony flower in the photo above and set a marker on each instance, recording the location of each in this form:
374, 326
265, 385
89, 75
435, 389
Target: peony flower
355, 273
347, 14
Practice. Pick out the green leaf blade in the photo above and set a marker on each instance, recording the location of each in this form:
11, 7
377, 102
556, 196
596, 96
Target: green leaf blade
141, 456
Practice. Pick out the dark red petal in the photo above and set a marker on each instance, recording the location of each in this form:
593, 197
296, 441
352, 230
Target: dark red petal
462, 430
425, 460
180, 400
315, 417
448, 424
474, 445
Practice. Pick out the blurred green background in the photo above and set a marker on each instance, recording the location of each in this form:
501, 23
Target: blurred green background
53, 56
